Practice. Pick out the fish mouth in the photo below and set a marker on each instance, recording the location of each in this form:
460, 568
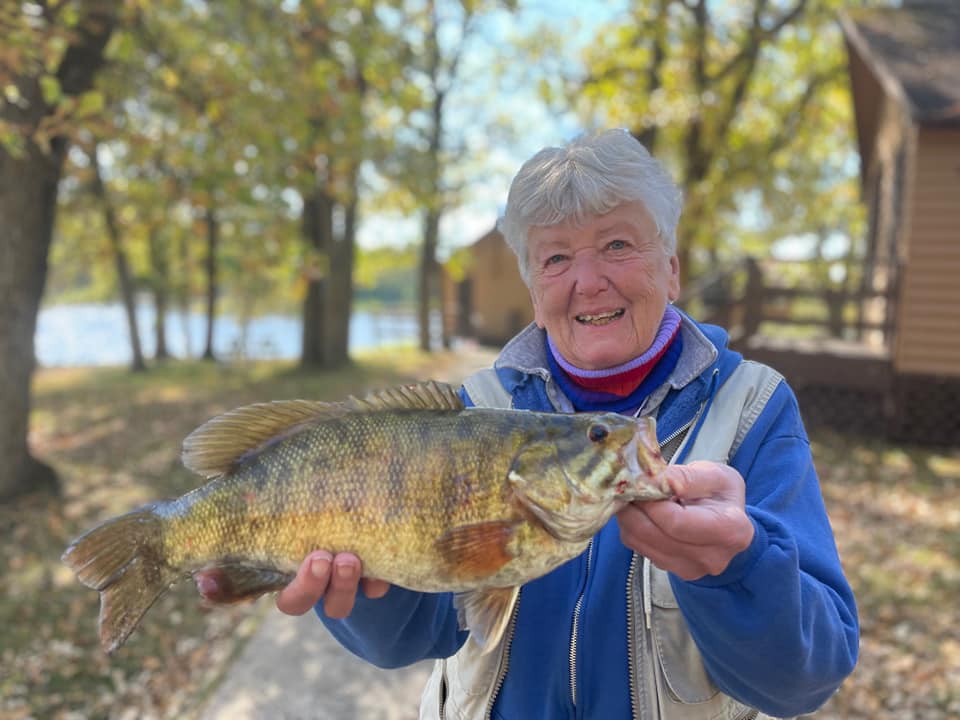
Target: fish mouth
638, 481
601, 318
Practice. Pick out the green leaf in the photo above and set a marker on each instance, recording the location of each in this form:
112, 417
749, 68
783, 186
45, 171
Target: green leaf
50, 87
91, 103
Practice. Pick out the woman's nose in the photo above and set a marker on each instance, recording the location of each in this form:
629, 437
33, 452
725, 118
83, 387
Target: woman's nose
589, 274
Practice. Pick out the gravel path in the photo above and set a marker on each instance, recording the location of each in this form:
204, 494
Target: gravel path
293, 669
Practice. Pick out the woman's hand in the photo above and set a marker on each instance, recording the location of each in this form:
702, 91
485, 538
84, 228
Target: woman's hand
334, 579
697, 533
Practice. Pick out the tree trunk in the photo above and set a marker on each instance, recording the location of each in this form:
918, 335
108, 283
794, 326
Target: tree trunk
182, 291
339, 285
317, 228
434, 208
28, 200
213, 229
428, 273
28, 196
160, 272
127, 294
648, 132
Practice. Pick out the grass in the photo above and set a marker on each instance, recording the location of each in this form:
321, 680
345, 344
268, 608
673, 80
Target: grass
114, 438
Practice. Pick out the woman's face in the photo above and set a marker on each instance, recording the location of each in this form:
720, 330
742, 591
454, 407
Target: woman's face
600, 289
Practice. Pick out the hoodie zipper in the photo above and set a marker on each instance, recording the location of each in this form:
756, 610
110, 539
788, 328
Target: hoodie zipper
505, 660
574, 630
631, 645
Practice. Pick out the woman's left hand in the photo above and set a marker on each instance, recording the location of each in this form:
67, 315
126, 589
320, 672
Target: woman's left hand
697, 533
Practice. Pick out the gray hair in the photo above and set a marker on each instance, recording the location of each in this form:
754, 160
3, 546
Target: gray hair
591, 175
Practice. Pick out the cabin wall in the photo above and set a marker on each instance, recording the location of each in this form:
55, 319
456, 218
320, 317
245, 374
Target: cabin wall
492, 302
928, 322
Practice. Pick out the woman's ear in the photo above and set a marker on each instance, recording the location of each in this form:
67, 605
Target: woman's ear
673, 286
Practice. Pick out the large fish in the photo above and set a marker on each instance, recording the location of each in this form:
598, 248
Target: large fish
430, 495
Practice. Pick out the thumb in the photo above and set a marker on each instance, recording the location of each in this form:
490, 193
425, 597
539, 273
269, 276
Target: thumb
702, 479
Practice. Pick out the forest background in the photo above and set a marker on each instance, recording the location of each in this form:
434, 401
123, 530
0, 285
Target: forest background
301, 156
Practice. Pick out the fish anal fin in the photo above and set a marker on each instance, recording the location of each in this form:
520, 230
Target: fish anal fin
486, 614
230, 583
478, 550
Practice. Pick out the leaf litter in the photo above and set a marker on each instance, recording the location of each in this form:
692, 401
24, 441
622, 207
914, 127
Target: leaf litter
895, 512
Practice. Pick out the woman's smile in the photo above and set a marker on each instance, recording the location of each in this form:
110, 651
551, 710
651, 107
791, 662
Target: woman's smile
600, 318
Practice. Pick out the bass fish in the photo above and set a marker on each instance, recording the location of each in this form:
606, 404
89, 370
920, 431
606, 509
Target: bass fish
432, 496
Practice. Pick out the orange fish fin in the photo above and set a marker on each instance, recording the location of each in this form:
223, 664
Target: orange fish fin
229, 583
477, 551
221, 443
486, 614
430, 395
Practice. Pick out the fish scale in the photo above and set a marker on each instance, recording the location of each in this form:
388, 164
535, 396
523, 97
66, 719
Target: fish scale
430, 495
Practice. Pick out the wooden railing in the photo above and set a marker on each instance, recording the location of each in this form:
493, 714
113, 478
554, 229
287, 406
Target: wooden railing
742, 298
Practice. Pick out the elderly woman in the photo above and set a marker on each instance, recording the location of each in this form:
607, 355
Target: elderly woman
729, 602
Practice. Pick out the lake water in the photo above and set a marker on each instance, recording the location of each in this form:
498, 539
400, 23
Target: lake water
95, 334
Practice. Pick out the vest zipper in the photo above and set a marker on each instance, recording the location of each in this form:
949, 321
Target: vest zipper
631, 645
574, 628
443, 691
505, 661
632, 576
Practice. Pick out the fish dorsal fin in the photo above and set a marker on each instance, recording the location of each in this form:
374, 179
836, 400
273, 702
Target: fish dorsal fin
430, 395
222, 442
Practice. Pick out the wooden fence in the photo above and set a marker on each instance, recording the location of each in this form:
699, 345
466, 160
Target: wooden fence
744, 299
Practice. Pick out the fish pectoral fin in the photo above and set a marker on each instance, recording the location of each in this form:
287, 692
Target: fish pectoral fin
229, 583
478, 550
486, 614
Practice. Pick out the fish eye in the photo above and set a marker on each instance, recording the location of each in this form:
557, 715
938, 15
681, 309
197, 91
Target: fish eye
598, 433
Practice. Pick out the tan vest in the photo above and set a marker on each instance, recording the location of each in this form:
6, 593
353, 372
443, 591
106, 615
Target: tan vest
668, 679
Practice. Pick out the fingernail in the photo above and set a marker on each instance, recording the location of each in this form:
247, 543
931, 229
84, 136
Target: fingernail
345, 571
320, 568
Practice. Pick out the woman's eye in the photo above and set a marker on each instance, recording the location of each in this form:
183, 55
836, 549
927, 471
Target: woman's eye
617, 245
554, 259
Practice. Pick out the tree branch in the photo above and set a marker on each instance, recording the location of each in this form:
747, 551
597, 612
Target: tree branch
647, 135
789, 128
759, 35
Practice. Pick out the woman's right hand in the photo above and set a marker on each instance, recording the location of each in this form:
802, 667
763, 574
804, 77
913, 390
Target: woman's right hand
333, 579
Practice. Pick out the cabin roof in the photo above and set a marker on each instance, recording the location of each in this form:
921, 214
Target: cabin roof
915, 51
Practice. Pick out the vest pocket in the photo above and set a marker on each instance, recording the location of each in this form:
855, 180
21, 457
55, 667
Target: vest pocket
678, 657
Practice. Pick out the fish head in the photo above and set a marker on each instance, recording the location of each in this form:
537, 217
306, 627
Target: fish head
585, 468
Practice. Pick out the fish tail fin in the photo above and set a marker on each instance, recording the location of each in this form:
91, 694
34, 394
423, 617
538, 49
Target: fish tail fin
123, 559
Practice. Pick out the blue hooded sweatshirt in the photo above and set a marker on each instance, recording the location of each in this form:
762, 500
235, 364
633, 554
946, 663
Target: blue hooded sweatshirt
777, 629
